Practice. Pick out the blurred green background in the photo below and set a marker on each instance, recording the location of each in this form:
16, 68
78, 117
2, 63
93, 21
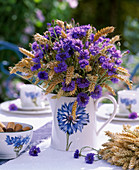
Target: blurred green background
21, 19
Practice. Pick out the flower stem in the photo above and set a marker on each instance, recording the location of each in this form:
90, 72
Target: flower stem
68, 144
88, 148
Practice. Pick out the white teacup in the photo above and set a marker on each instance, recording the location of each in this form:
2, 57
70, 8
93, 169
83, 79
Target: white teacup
31, 96
128, 101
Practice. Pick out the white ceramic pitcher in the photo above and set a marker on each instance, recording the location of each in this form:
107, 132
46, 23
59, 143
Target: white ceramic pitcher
83, 129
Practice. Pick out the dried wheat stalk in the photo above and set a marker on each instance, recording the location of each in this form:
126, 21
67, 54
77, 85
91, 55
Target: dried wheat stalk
122, 149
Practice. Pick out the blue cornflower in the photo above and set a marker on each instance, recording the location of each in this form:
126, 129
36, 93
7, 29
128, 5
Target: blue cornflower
82, 82
68, 87
84, 54
43, 75
67, 123
67, 44
36, 60
48, 24
40, 53
117, 54
97, 93
34, 151
105, 65
118, 62
62, 56
92, 37
77, 45
13, 107
114, 80
35, 46
82, 99
35, 67
111, 69
87, 43
76, 154
61, 67
77, 32
94, 49
89, 158
58, 46
102, 59
85, 27
56, 31
133, 115
83, 63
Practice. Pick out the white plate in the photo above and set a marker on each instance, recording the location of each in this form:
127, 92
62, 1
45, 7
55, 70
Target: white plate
5, 107
106, 109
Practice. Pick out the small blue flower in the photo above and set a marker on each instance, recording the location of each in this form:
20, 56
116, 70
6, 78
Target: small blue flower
66, 121
43, 75
35, 67
133, 115
34, 151
13, 107
89, 158
76, 154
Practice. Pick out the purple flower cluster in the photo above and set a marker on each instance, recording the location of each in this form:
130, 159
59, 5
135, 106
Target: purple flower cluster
73, 45
82, 83
97, 92
68, 87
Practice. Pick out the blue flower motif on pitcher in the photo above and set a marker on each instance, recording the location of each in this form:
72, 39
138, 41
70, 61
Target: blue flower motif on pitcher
67, 123
17, 142
70, 123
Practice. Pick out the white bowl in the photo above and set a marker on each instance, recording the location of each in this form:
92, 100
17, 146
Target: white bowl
13, 143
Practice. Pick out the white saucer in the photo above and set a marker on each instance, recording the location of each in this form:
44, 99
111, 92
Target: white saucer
105, 110
21, 110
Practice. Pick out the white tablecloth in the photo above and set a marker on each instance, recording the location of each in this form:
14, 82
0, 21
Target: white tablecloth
51, 159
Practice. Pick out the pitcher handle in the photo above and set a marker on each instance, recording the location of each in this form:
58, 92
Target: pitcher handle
114, 111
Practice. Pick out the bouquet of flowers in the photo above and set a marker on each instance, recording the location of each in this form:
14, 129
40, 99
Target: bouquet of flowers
72, 60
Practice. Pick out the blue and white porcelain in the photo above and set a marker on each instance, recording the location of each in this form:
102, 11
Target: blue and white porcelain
72, 130
128, 101
13, 143
31, 96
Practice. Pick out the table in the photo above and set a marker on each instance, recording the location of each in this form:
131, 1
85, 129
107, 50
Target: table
51, 159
